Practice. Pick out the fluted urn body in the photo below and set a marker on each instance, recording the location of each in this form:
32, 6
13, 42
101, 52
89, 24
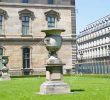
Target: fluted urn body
53, 42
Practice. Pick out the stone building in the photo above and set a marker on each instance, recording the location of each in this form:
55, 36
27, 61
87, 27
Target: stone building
21, 22
93, 47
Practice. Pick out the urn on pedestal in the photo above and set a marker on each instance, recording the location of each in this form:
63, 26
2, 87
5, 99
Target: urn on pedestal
5, 74
54, 67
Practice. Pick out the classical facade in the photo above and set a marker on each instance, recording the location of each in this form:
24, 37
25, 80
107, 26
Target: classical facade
21, 22
93, 48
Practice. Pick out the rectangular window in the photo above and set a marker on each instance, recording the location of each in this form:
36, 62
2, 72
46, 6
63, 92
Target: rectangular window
51, 21
26, 58
50, 1
1, 54
25, 25
1, 24
25, 1
1, 51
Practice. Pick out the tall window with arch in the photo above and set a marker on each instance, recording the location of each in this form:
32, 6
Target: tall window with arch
26, 57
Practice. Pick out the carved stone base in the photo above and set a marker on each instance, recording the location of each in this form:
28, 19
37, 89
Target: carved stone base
5, 77
54, 87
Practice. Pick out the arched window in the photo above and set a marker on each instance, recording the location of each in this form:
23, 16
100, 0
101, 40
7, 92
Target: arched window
26, 57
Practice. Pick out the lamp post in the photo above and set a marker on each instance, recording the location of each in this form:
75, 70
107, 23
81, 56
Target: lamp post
5, 74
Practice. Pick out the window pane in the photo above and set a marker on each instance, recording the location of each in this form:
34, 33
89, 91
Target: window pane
51, 21
1, 17
23, 18
53, 25
50, 1
27, 18
25, 25
49, 17
1, 22
1, 51
25, 1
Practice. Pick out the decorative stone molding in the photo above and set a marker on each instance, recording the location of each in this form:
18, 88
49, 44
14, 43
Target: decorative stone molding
4, 13
36, 5
26, 12
53, 13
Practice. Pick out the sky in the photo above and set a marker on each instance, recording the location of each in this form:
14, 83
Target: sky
88, 11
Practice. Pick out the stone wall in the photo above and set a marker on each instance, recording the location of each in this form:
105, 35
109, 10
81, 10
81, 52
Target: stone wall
13, 23
12, 41
38, 57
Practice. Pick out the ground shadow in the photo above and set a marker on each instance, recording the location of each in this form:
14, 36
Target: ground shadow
77, 90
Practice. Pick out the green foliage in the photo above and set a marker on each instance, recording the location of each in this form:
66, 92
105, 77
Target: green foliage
84, 88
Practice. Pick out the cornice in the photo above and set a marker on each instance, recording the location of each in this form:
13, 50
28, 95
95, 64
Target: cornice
30, 39
35, 5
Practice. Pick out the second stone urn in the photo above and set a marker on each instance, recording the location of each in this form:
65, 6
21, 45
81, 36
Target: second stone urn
54, 67
5, 74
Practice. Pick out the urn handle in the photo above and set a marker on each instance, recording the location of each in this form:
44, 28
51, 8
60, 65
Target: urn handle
47, 41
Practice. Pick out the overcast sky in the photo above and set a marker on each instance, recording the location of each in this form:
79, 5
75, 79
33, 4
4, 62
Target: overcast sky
88, 11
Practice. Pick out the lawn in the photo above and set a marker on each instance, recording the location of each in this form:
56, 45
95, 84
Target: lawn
85, 88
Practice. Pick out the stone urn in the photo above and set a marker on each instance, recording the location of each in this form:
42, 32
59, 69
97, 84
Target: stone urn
54, 67
5, 74
53, 42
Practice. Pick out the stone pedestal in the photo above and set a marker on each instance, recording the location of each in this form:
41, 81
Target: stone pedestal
54, 87
5, 77
5, 74
54, 83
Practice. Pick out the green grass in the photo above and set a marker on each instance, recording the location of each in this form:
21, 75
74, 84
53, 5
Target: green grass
85, 88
